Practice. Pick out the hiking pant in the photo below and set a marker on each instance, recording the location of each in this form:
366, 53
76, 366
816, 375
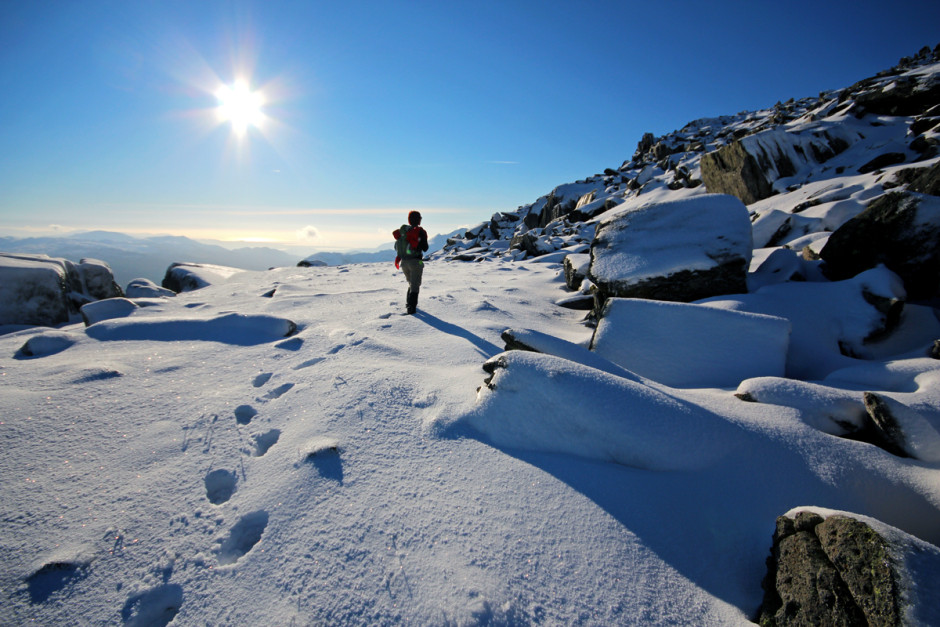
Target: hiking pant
413, 269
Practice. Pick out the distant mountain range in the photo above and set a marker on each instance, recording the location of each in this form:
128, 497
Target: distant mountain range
385, 254
149, 257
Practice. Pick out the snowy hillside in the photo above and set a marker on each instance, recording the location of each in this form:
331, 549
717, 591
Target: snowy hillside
817, 162
284, 447
338, 475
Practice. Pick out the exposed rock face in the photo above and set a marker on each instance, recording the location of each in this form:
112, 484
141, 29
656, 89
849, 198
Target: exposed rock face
45, 291
901, 231
732, 170
748, 167
675, 251
834, 571
927, 181
900, 430
311, 263
576, 269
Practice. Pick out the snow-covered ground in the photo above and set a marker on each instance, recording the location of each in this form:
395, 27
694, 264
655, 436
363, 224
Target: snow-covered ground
189, 462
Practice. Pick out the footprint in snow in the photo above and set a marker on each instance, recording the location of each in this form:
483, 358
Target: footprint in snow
426, 401
276, 393
53, 576
220, 485
308, 363
244, 414
293, 344
155, 607
324, 453
264, 441
242, 538
261, 379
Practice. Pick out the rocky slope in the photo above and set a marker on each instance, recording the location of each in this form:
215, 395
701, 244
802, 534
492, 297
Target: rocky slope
803, 168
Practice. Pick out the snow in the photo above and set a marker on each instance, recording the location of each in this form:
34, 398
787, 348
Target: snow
194, 276
684, 345
194, 460
826, 317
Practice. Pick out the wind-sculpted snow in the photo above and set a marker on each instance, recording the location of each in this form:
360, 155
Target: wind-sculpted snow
829, 319
827, 408
544, 403
683, 345
238, 329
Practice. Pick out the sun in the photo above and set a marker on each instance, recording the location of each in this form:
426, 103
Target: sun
240, 106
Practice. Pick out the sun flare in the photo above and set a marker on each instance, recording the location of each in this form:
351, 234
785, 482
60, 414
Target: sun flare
240, 106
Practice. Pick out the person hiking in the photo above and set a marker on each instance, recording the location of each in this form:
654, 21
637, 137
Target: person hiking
411, 242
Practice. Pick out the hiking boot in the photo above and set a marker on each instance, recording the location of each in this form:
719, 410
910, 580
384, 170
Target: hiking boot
412, 304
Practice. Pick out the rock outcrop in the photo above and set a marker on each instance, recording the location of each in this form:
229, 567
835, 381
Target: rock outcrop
899, 230
749, 167
833, 571
46, 291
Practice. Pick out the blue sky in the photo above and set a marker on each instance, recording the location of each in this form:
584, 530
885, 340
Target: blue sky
459, 109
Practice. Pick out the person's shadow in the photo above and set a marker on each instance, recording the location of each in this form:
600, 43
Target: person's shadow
487, 349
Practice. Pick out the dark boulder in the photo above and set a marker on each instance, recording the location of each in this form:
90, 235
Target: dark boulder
926, 181
834, 571
883, 161
97, 280
899, 230
576, 269
900, 430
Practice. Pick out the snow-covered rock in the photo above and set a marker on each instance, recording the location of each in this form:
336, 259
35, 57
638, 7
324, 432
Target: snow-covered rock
749, 167
576, 269
45, 291
687, 346
98, 280
107, 309
830, 409
145, 288
908, 433
623, 421
230, 328
831, 321
33, 290
682, 250
47, 343
185, 277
